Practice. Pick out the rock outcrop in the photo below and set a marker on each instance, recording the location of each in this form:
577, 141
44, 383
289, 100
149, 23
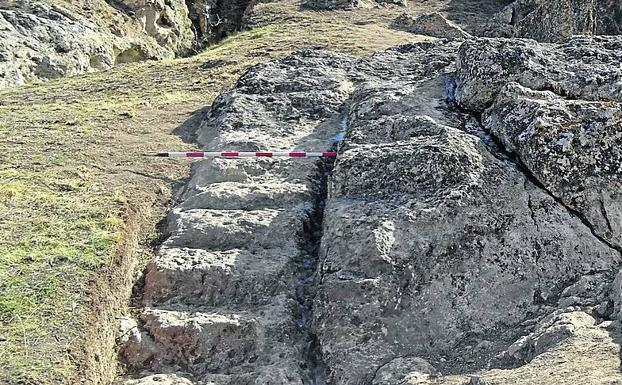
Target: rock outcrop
436, 246
41, 40
559, 112
228, 296
433, 24
550, 21
472, 219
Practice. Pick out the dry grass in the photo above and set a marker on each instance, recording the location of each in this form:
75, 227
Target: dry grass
71, 178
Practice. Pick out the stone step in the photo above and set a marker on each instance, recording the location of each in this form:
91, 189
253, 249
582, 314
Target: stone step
264, 193
214, 278
231, 229
215, 341
254, 171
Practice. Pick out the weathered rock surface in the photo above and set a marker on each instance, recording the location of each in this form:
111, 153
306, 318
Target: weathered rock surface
454, 237
433, 247
434, 24
42, 40
228, 295
568, 136
547, 21
573, 147
570, 340
165, 21
580, 68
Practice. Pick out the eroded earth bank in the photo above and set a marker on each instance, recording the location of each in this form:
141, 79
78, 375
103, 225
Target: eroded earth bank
469, 231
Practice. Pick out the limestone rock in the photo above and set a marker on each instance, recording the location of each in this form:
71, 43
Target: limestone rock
160, 379
165, 21
215, 278
439, 250
572, 147
43, 41
549, 21
229, 293
580, 68
435, 24
425, 223
551, 331
400, 369
139, 349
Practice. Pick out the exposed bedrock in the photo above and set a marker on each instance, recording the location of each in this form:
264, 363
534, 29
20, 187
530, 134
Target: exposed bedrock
40, 40
556, 20
557, 107
43, 41
228, 296
436, 246
447, 239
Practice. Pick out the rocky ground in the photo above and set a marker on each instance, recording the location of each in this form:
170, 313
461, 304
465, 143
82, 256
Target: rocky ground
469, 231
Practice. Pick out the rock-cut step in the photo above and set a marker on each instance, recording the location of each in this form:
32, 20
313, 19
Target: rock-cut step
231, 229
263, 193
214, 278
218, 342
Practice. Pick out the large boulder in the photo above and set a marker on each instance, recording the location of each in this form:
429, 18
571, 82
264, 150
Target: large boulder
571, 146
580, 68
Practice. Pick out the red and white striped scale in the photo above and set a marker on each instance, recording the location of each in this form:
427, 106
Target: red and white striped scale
236, 154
